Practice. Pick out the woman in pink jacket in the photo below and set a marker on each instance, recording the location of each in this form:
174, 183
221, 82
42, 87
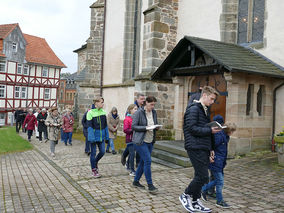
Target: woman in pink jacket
67, 126
29, 123
132, 108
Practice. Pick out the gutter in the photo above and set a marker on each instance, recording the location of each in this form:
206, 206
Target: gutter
103, 49
274, 108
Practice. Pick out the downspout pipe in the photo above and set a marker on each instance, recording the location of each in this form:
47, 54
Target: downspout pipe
103, 49
274, 107
134, 39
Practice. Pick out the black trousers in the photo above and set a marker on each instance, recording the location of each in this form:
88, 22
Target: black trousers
200, 162
18, 125
30, 133
45, 134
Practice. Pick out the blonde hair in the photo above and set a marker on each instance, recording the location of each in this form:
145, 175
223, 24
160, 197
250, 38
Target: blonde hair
208, 90
114, 109
98, 99
231, 127
130, 107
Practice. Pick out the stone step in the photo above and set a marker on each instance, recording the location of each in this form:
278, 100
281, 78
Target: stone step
166, 163
174, 147
172, 158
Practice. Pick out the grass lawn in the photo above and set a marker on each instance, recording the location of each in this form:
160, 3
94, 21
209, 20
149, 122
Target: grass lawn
10, 141
119, 142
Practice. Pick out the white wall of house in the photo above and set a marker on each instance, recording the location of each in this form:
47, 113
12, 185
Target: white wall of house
114, 34
120, 98
199, 19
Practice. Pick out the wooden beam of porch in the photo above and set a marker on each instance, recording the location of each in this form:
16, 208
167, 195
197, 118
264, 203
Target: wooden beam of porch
196, 70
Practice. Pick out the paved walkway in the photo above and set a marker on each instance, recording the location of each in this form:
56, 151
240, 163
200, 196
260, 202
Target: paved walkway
32, 181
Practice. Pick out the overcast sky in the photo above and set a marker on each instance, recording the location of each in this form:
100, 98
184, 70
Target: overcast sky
65, 24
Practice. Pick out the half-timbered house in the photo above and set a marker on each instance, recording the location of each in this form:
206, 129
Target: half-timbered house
29, 72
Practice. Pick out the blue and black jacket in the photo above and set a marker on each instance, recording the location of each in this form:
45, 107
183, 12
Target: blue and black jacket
97, 122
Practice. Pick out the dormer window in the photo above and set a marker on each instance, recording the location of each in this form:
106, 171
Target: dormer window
44, 72
14, 47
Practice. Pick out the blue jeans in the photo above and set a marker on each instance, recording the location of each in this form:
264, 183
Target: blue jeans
68, 137
218, 182
144, 151
129, 150
93, 158
61, 135
110, 144
87, 145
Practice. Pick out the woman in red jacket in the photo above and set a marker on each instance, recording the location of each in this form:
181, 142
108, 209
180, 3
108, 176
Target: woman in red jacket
132, 108
67, 126
29, 123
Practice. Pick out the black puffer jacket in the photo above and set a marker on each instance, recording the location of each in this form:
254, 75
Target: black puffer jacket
196, 134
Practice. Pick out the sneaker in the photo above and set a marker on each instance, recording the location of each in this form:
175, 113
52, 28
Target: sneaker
45, 140
123, 160
40, 141
107, 151
213, 195
113, 152
52, 154
203, 195
29, 140
152, 189
70, 144
132, 174
138, 185
186, 202
222, 204
198, 206
96, 173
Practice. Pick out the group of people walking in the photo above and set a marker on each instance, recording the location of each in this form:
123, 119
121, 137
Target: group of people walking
46, 125
206, 145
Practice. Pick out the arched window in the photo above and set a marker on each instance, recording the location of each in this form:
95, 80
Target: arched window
249, 99
260, 100
251, 21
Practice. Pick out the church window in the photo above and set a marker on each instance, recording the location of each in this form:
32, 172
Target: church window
249, 99
260, 100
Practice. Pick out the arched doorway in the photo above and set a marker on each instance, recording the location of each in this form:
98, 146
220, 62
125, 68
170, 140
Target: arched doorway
219, 83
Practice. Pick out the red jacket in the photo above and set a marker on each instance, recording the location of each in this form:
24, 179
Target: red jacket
127, 128
68, 123
31, 121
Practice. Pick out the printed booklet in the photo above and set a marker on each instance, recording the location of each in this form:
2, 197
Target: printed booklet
216, 124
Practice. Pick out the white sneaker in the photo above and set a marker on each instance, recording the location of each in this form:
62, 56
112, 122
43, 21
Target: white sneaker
198, 207
186, 202
132, 174
52, 154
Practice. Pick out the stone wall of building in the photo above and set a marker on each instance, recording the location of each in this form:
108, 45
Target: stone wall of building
82, 59
254, 131
165, 94
160, 31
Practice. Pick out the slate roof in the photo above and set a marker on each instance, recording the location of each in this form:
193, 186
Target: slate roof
233, 57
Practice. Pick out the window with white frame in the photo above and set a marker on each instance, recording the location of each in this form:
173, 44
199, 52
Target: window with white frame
26, 69
19, 69
2, 66
24, 92
2, 91
14, 46
46, 93
44, 72
17, 92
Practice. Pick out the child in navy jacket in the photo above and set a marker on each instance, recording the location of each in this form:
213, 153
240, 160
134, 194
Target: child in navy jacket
217, 167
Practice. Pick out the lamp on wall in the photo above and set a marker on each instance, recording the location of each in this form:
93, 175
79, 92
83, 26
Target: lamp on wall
255, 19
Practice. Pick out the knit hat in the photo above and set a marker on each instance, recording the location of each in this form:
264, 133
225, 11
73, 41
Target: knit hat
219, 119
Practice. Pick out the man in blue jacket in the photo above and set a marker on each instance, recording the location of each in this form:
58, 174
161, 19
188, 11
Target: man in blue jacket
199, 144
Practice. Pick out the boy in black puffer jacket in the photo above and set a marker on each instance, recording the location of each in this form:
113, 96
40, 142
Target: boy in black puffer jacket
199, 144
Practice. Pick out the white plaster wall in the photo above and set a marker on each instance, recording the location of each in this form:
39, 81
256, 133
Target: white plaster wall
57, 73
11, 67
53, 93
38, 71
279, 121
10, 90
51, 72
2, 76
2, 103
32, 70
36, 93
199, 19
118, 97
274, 32
30, 93
114, 35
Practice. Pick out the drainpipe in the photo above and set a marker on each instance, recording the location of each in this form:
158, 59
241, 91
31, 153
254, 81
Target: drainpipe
134, 39
274, 107
103, 49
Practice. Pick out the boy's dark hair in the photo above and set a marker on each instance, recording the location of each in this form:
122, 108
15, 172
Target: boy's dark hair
208, 90
151, 99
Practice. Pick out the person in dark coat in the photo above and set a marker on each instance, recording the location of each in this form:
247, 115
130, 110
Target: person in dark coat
42, 128
23, 117
85, 132
199, 144
18, 119
217, 167
144, 136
